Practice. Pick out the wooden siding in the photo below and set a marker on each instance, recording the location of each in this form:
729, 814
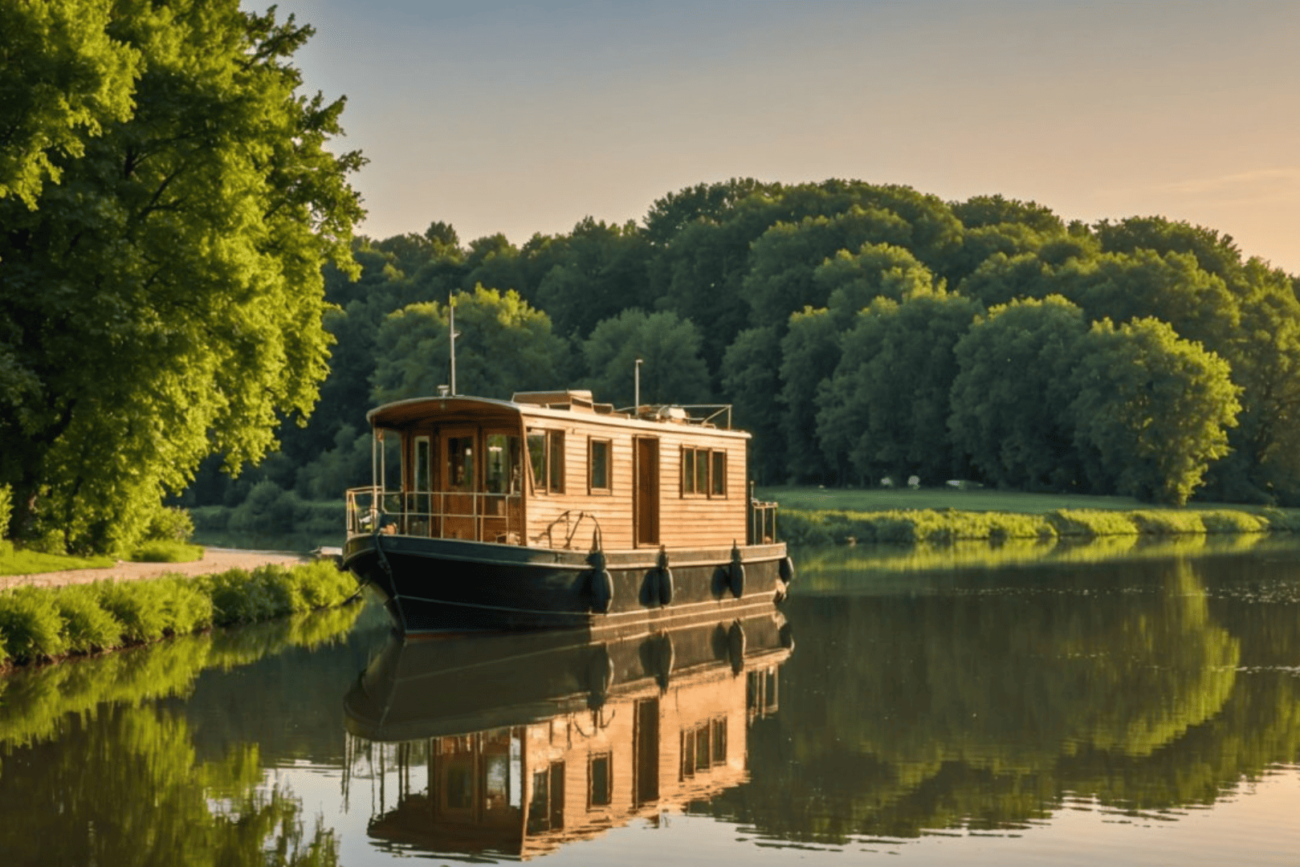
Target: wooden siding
684, 521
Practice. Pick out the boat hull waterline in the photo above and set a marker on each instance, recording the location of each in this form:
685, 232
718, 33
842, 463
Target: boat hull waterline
433, 584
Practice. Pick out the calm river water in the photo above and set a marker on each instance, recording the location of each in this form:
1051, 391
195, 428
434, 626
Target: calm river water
900, 707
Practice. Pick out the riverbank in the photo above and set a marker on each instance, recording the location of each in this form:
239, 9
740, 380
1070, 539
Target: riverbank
214, 560
54, 616
909, 526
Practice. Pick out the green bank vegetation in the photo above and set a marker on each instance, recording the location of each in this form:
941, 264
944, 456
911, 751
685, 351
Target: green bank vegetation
45, 623
811, 516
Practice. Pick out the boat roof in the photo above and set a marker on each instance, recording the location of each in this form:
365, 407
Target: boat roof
541, 404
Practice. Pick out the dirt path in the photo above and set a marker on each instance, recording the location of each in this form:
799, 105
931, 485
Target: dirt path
214, 560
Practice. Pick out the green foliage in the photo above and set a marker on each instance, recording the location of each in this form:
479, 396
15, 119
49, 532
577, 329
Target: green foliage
66, 79
506, 346
40, 623
170, 524
1150, 410
1092, 522
137, 606
673, 370
30, 627
87, 626
274, 591
6, 509
1009, 397
178, 260
166, 552
886, 408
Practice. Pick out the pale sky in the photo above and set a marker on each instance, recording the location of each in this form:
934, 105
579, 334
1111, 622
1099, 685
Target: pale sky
523, 117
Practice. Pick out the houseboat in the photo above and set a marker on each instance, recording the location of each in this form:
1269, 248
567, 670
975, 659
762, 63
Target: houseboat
531, 741
551, 510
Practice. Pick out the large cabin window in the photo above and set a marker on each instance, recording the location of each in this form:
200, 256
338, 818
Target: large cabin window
546, 456
704, 472
598, 469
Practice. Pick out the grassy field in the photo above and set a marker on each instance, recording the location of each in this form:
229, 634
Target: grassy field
17, 562
978, 500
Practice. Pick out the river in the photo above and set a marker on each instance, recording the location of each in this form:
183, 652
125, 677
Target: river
1012, 708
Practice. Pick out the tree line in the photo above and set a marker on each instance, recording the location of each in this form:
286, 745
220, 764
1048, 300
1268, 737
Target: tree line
181, 291
863, 333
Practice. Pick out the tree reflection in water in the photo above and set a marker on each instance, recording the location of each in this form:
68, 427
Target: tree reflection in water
985, 699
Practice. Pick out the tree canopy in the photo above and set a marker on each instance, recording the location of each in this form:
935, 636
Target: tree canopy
162, 289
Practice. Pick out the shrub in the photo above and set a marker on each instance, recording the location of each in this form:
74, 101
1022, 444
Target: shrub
86, 626
170, 525
6, 510
1091, 522
50, 541
166, 551
137, 607
30, 625
268, 510
184, 604
1231, 521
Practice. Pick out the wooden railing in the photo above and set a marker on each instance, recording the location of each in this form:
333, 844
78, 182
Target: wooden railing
436, 514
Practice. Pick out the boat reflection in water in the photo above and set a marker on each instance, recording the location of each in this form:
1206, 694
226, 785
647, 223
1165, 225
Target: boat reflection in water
533, 740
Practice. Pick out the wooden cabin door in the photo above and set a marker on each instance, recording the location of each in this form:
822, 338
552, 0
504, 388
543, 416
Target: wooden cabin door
459, 488
645, 512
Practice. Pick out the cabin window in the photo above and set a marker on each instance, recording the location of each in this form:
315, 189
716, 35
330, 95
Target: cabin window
460, 463
704, 472
601, 779
598, 457
502, 464
546, 456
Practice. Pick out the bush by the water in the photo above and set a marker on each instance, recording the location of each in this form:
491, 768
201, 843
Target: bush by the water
166, 551
39, 623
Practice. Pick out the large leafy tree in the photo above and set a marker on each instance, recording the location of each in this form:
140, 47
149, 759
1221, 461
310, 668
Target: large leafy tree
886, 408
1012, 392
506, 346
673, 368
1151, 410
163, 300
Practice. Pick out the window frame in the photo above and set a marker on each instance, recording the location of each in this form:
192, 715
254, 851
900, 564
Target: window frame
608, 445
702, 468
553, 464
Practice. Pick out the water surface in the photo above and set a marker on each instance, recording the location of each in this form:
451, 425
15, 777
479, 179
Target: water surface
1140, 711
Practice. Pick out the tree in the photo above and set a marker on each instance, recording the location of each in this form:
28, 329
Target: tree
164, 300
784, 259
810, 352
601, 271
1012, 392
886, 408
1151, 411
751, 381
62, 79
504, 346
672, 371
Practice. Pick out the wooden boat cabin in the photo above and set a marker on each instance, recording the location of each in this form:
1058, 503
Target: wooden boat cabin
556, 470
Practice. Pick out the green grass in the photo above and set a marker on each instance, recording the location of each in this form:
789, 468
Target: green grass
19, 562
